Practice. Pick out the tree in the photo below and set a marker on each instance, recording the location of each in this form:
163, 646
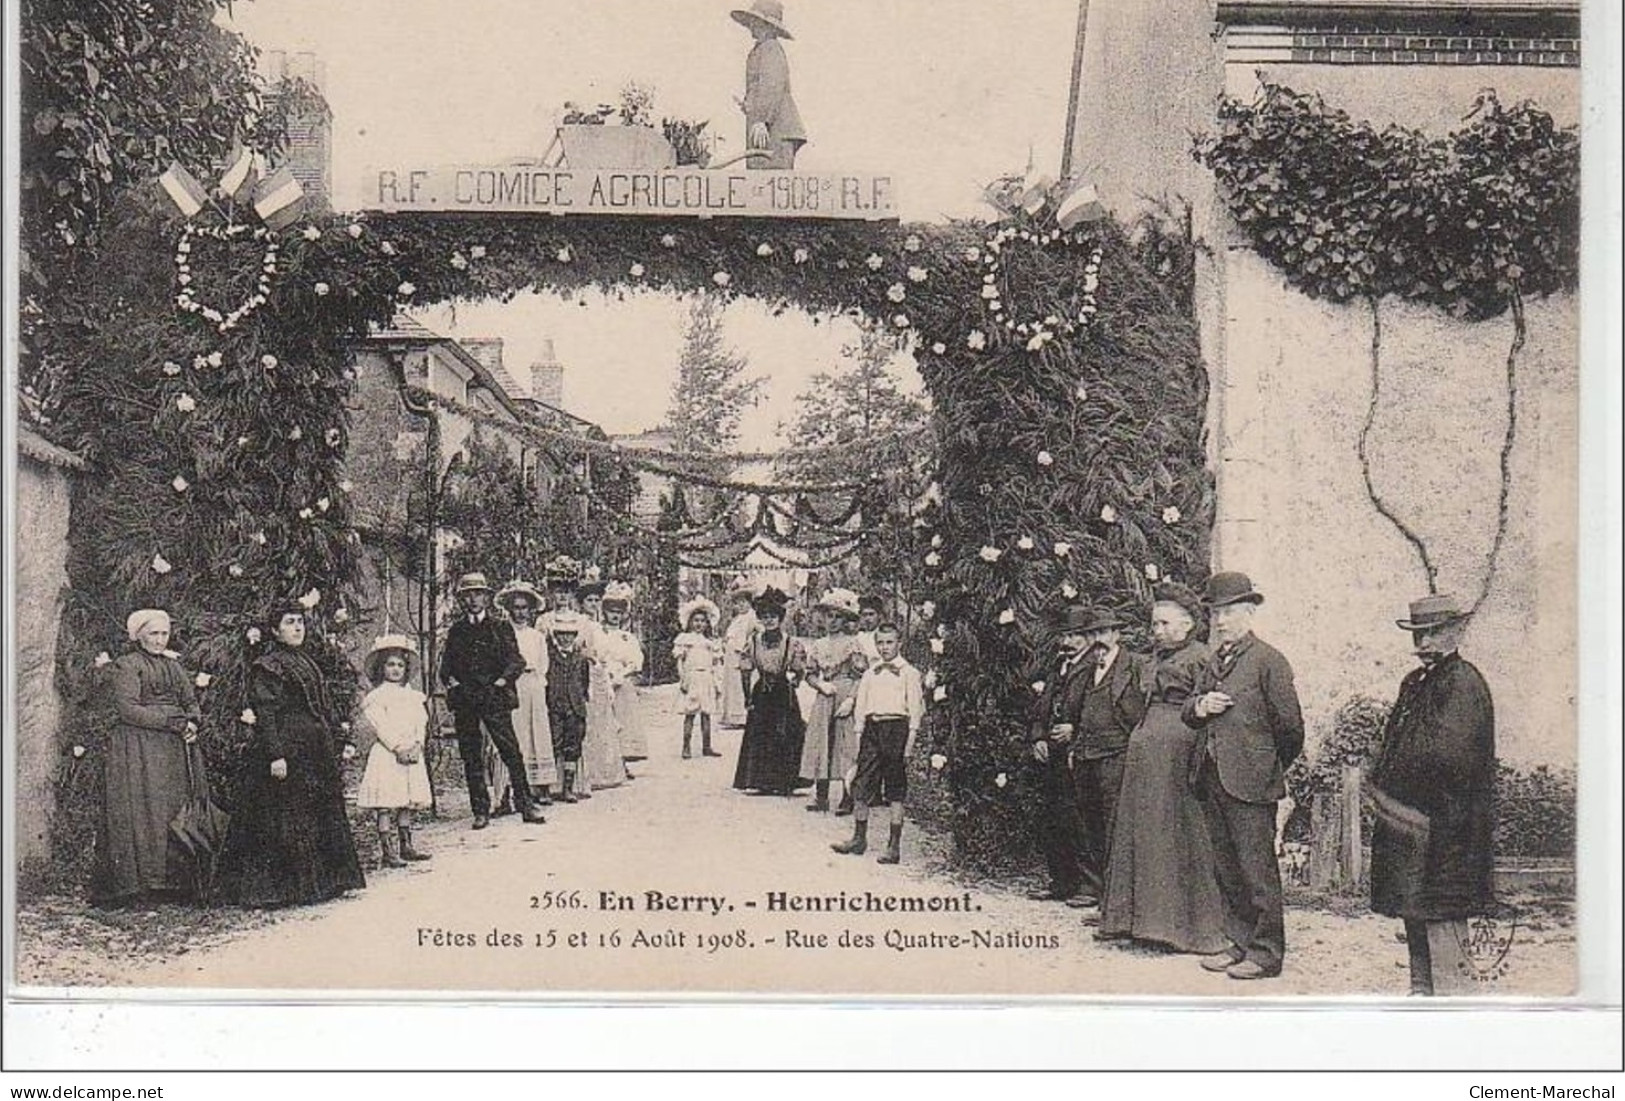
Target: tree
710, 395
856, 404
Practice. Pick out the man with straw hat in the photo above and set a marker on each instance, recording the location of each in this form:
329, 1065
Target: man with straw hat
1433, 787
772, 122
479, 668
1245, 709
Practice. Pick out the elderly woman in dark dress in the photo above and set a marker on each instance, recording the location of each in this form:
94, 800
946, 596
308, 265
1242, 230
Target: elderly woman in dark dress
145, 771
290, 842
1160, 885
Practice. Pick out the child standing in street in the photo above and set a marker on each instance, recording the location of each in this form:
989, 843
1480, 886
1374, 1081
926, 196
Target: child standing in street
890, 706
396, 781
569, 674
699, 660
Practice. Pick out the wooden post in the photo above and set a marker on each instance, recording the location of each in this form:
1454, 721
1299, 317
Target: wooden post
1325, 826
1352, 850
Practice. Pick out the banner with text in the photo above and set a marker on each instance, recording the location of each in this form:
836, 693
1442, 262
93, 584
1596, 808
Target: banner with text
670, 192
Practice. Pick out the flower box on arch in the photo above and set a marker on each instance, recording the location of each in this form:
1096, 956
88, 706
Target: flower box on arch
586, 146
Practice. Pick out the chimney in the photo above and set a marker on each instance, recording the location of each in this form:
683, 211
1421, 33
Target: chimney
309, 152
547, 377
486, 349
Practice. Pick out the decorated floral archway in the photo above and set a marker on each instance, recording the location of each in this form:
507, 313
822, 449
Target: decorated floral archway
1064, 371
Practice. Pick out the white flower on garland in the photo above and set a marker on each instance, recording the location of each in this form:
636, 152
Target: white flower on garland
990, 292
874, 261
636, 271
764, 250
387, 249
311, 233
253, 636
1007, 617
323, 504
296, 433
1152, 573
564, 255
160, 564
802, 256
901, 321
259, 537
896, 292
1082, 392
215, 359
79, 750
1171, 515
911, 243
930, 678
1069, 590
477, 252
939, 694
928, 609
1063, 549
668, 241
1039, 339
1024, 543
334, 437
936, 540
1045, 459
171, 368
311, 599
1001, 780
933, 559
306, 514
938, 761
977, 340
1038, 687
354, 230
937, 646
345, 485
990, 554
939, 348
917, 275
235, 570
722, 279
1108, 514
242, 441
459, 261
181, 485
405, 290
202, 680
342, 615
103, 658
268, 362
248, 718
186, 403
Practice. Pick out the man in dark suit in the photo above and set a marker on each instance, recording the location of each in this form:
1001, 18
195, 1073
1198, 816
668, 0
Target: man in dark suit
1079, 731
1433, 790
1246, 708
480, 663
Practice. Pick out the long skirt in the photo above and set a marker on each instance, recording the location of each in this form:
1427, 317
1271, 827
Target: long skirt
1160, 883
534, 731
733, 698
601, 764
634, 738
770, 750
830, 751
145, 783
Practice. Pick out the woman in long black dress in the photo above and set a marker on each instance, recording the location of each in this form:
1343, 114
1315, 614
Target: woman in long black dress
145, 772
770, 751
290, 841
1160, 884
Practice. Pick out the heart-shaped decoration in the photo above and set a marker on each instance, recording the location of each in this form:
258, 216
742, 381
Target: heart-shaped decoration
1061, 321
187, 298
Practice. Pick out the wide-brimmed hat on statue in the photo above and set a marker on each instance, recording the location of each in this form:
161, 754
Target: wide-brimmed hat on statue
618, 592
844, 601
771, 601
472, 583
1081, 619
382, 648
519, 588
1230, 587
763, 13
1432, 611
699, 604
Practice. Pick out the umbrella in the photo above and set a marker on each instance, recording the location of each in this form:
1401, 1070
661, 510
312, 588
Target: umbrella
199, 829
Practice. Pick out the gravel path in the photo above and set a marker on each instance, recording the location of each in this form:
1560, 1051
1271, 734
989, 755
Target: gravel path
698, 866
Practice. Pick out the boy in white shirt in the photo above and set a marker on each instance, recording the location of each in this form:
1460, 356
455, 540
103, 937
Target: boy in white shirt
889, 707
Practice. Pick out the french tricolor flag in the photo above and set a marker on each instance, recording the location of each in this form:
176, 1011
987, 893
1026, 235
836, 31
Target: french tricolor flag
183, 190
279, 199
241, 174
1079, 205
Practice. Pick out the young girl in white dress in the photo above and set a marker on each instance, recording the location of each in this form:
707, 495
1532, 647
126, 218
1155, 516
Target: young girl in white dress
622, 655
530, 722
396, 781
699, 669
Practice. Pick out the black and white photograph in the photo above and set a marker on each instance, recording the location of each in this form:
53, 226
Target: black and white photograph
798, 498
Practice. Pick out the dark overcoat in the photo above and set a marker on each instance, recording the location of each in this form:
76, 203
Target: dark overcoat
1062, 702
1433, 848
1261, 733
477, 655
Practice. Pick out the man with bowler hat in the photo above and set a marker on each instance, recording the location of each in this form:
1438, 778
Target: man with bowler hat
479, 666
1090, 703
1432, 788
1246, 710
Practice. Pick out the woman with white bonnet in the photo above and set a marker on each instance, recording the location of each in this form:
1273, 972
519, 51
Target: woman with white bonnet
144, 769
1160, 884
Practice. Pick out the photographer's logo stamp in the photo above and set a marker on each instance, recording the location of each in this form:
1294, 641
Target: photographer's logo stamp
1486, 943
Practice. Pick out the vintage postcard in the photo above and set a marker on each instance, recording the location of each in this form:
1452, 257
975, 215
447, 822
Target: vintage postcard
804, 498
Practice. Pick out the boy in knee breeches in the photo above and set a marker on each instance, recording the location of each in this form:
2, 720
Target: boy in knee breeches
889, 707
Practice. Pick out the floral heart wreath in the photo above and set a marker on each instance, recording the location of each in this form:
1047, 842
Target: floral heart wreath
1040, 212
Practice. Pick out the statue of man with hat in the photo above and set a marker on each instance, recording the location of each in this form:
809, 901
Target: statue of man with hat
1245, 708
772, 122
1432, 788
479, 667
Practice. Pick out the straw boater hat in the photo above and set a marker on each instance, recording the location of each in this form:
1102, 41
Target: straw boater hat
618, 592
763, 13
472, 582
844, 601
516, 588
567, 623
1230, 588
698, 604
386, 645
1432, 611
